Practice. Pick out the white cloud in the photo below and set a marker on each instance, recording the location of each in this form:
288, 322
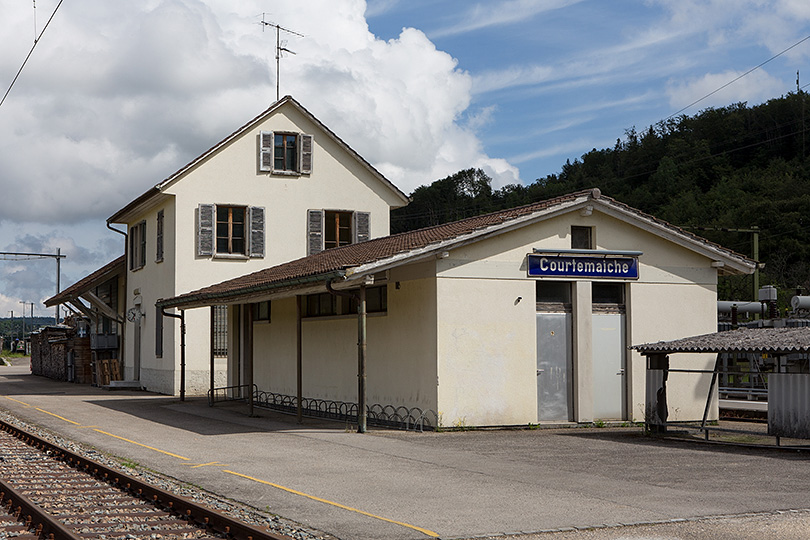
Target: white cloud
117, 96
486, 14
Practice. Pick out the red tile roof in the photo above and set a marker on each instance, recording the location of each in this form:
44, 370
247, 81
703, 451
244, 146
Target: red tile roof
335, 262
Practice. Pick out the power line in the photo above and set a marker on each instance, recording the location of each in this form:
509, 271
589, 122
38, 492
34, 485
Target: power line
740, 77
30, 52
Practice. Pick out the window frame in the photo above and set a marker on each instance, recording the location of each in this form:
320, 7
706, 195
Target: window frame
281, 152
262, 311
231, 238
137, 246
579, 233
343, 306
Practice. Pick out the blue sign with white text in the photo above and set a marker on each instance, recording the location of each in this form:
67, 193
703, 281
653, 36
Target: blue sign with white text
582, 266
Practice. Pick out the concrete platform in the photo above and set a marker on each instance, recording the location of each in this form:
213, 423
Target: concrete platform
402, 485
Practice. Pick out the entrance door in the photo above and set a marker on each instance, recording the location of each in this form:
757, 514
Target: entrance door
553, 367
554, 351
608, 366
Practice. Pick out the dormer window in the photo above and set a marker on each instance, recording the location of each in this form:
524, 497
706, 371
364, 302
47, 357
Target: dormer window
283, 152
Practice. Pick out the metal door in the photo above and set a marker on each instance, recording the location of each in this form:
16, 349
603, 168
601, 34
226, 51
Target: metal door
608, 366
554, 360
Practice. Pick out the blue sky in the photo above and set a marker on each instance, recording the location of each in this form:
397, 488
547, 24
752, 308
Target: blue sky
119, 95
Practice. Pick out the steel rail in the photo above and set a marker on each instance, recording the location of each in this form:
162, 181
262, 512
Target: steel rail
201, 515
24, 509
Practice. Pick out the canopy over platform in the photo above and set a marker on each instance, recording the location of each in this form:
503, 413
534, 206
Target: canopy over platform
788, 384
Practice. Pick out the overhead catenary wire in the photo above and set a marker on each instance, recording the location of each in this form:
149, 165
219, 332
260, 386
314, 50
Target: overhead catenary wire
36, 41
774, 57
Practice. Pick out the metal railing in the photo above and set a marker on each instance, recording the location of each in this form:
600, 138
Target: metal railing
413, 418
230, 393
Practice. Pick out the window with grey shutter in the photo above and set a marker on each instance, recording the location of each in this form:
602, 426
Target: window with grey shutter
266, 151
305, 166
362, 226
314, 231
256, 231
205, 230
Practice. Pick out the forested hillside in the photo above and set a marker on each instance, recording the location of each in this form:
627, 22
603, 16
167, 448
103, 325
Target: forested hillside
736, 167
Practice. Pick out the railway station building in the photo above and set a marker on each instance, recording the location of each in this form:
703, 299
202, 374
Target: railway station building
517, 317
280, 187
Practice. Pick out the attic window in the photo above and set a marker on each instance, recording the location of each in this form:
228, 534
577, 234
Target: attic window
285, 152
581, 237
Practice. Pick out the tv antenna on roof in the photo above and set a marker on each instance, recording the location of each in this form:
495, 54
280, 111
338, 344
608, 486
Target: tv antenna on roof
280, 48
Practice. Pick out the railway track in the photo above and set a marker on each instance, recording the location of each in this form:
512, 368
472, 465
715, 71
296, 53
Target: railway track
49, 492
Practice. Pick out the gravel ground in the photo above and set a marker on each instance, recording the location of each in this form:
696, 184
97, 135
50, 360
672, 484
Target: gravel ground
242, 512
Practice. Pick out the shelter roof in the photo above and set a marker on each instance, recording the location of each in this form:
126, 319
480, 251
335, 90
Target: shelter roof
109, 270
760, 340
356, 260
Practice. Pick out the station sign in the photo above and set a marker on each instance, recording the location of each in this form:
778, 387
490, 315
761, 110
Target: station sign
577, 266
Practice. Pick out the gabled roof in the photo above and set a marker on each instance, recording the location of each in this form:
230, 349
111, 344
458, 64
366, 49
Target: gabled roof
760, 340
356, 260
109, 270
157, 189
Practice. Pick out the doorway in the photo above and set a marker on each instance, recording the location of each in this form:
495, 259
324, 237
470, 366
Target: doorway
609, 351
554, 351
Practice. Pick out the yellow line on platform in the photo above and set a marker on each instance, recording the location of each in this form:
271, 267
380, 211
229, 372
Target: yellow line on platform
344, 507
57, 416
18, 401
143, 445
207, 464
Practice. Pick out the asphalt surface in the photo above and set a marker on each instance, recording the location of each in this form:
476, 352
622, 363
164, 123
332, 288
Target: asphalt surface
581, 483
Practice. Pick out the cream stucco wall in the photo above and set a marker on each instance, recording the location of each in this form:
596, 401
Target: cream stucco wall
401, 353
231, 176
479, 330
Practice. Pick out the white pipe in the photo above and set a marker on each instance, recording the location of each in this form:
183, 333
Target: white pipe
725, 306
800, 302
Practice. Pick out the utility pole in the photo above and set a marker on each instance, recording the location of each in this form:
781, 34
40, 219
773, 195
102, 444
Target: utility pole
23, 319
12, 327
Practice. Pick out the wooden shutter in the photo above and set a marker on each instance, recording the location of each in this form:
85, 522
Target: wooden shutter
159, 333
305, 153
159, 241
256, 220
132, 244
266, 139
142, 254
205, 230
362, 226
314, 231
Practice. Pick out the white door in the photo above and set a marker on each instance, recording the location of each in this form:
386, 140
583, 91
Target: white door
608, 366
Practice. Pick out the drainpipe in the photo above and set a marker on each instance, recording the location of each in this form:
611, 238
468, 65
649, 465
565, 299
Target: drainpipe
182, 318
362, 413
